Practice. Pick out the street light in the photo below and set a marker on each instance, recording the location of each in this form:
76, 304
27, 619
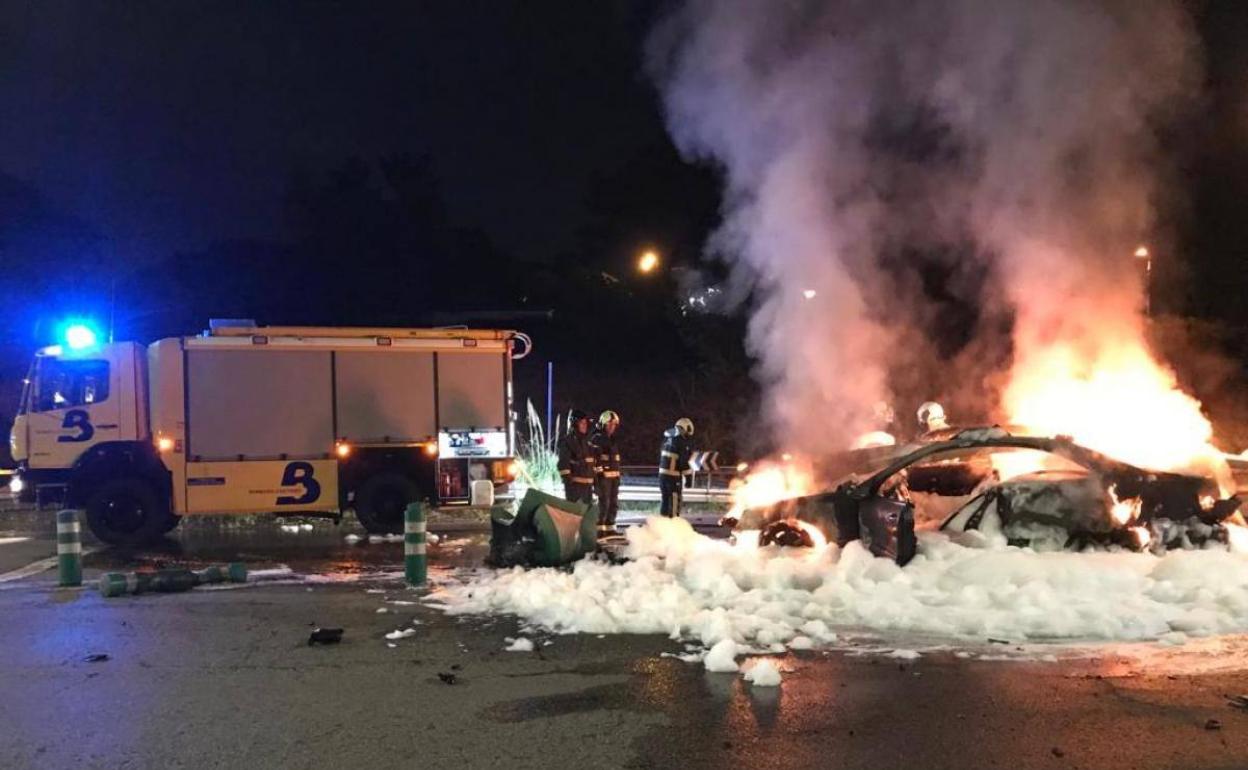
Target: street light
810, 293
648, 262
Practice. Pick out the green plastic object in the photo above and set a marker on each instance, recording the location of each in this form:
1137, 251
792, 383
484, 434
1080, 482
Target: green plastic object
236, 572
112, 584
533, 500
558, 536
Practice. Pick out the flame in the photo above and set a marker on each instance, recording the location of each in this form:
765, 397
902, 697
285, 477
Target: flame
875, 438
769, 483
1124, 511
1142, 537
1119, 401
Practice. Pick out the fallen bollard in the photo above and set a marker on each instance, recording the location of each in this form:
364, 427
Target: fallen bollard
169, 580
69, 548
415, 561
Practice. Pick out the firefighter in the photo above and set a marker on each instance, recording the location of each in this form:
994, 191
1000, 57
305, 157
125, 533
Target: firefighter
674, 465
607, 452
932, 418
577, 464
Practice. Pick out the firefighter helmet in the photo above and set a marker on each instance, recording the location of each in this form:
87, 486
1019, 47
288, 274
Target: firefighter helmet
685, 426
932, 416
608, 416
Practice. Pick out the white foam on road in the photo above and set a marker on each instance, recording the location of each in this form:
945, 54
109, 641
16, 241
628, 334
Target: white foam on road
692, 587
764, 673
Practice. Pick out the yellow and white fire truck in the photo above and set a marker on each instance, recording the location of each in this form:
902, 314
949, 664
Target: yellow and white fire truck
246, 419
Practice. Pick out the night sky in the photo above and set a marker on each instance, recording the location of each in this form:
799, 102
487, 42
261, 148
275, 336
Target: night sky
170, 125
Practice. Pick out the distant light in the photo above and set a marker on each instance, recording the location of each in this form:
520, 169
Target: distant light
648, 262
431, 449
1142, 252
809, 293
342, 449
16, 485
79, 336
53, 350
786, 457
164, 444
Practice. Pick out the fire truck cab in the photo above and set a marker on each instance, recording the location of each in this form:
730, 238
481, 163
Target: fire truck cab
245, 419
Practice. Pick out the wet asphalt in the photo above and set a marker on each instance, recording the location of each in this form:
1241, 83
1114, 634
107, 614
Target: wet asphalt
225, 678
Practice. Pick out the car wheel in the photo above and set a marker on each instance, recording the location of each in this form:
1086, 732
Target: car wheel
381, 501
127, 512
787, 534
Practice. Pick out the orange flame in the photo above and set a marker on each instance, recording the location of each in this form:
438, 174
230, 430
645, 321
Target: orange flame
769, 483
1124, 511
1119, 401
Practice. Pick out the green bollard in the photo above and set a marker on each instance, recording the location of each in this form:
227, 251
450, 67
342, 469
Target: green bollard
118, 584
210, 575
69, 547
415, 562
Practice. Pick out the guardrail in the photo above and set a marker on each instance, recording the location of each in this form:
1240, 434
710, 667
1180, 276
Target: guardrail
640, 484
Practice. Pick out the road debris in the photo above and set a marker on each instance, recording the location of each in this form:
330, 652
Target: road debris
97, 657
325, 636
447, 677
1239, 701
1213, 724
520, 644
401, 633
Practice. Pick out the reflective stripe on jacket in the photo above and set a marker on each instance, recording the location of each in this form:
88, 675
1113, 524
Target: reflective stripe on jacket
674, 453
606, 454
577, 462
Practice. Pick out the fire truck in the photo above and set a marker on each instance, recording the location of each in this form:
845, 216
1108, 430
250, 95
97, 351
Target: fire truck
246, 419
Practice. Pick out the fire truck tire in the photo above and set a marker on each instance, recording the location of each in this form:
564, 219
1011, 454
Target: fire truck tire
127, 511
381, 500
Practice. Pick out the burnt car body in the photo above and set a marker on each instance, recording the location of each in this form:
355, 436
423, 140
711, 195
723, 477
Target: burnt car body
953, 482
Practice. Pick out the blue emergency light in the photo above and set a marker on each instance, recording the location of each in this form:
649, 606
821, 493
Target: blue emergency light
79, 336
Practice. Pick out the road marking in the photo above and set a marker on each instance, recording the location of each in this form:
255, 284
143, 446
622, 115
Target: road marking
34, 568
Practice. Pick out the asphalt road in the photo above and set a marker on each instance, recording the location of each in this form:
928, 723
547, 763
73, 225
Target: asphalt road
224, 678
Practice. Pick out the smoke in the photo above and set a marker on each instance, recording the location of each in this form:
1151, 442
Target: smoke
925, 199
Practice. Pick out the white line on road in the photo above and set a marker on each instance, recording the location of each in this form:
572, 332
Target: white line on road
34, 568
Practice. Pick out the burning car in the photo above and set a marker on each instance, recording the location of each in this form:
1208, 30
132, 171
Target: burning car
1040, 492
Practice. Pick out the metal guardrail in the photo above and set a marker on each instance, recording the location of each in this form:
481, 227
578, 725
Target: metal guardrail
640, 484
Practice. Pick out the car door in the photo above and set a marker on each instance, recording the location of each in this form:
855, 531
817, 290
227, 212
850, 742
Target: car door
72, 408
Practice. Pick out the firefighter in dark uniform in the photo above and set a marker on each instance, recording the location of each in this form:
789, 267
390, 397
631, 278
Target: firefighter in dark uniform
608, 454
674, 465
577, 462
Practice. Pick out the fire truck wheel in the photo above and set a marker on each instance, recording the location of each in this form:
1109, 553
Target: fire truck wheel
380, 502
127, 511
